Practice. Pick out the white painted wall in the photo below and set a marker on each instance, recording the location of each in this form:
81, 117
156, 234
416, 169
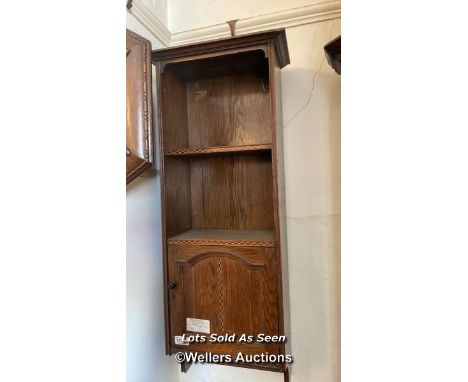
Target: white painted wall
146, 359
311, 113
159, 8
311, 107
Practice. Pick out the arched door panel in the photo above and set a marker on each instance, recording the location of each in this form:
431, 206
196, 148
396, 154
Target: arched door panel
228, 290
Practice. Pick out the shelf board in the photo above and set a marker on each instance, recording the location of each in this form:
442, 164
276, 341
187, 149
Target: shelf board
218, 150
233, 237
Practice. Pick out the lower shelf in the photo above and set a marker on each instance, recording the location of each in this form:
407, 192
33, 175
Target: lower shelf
234, 237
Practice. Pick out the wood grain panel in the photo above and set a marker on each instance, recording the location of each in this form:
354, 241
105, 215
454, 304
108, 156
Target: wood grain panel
228, 111
177, 196
202, 297
233, 192
174, 118
233, 288
197, 188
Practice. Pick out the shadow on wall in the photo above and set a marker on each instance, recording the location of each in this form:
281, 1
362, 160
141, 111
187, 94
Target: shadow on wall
146, 359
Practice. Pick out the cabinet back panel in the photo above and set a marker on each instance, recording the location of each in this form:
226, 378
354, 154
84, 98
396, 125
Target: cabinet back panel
233, 192
232, 62
229, 110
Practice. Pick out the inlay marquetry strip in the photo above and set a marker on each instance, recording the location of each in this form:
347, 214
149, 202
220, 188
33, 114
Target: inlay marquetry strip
222, 242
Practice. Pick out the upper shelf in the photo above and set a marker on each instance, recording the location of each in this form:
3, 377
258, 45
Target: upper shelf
218, 150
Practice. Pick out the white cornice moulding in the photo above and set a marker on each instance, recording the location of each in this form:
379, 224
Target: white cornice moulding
146, 16
282, 19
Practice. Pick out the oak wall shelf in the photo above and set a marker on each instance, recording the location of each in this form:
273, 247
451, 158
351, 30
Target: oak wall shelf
222, 194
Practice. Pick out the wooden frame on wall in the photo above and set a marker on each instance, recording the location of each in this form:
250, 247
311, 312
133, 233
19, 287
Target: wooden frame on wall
139, 149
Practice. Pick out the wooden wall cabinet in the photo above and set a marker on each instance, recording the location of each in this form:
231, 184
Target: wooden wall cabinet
139, 150
333, 53
223, 217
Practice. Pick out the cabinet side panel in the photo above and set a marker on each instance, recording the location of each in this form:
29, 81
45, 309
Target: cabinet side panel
174, 115
175, 174
280, 199
177, 196
163, 208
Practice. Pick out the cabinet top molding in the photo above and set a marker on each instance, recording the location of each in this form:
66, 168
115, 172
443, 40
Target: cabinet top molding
278, 37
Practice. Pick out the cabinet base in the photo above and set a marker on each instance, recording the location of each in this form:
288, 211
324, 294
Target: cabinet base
184, 366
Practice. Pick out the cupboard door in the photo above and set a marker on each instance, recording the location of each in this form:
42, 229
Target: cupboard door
232, 289
139, 150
